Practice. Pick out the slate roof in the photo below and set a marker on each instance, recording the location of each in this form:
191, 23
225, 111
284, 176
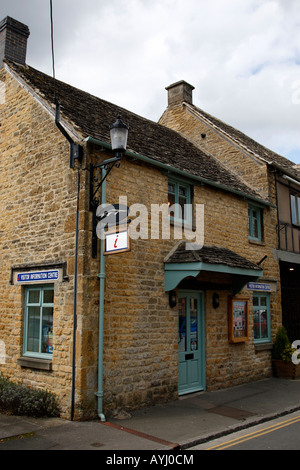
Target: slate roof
247, 143
211, 255
91, 117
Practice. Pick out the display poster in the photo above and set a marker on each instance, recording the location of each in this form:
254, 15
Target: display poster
238, 311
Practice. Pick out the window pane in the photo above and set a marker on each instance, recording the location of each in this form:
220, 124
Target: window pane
263, 301
182, 191
33, 333
293, 209
193, 325
171, 204
255, 223
298, 206
171, 188
182, 202
264, 323
255, 301
256, 324
47, 330
34, 297
48, 296
182, 325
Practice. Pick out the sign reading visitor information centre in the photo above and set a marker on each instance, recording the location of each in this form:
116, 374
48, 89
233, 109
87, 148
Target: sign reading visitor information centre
36, 277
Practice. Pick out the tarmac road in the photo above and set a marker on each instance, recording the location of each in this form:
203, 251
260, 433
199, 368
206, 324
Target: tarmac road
278, 434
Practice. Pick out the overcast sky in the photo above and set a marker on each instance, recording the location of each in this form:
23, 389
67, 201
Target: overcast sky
242, 57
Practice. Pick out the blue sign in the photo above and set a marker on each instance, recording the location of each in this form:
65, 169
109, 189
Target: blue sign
259, 286
38, 276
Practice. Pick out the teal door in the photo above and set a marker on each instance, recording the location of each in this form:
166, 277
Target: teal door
191, 361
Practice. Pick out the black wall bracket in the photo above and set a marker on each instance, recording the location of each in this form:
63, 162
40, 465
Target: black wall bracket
96, 181
76, 150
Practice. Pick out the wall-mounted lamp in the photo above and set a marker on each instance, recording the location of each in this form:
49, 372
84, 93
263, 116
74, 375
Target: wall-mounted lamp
215, 300
118, 135
172, 298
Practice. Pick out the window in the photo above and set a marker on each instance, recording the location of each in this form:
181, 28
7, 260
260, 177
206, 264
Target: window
179, 201
38, 327
255, 227
261, 318
295, 209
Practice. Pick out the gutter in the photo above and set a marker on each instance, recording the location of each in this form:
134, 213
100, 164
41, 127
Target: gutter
101, 276
167, 167
288, 175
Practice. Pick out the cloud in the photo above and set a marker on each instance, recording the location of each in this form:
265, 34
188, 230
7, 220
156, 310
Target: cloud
243, 57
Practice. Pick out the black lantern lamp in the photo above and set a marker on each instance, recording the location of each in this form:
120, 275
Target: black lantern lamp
118, 136
172, 298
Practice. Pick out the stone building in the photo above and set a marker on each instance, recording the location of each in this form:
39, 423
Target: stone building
173, 312
275, 177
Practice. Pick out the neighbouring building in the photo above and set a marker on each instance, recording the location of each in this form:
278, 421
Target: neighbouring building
173, 313
275, 177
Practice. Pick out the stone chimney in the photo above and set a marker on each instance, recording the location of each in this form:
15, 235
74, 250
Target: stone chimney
13, 40
180, 92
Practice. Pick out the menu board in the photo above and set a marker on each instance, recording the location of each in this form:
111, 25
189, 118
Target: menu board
238, 319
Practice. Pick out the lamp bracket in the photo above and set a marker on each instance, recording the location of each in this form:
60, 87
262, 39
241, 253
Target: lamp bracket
96, 181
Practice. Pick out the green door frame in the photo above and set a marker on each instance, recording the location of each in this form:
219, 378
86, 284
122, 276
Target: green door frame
189, 359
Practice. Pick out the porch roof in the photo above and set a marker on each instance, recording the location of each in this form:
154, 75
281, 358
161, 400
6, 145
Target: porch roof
182, 263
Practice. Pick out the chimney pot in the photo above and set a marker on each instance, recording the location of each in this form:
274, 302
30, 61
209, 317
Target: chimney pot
13, 40
180, 92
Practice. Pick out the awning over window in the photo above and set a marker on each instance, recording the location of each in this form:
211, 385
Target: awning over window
182, 263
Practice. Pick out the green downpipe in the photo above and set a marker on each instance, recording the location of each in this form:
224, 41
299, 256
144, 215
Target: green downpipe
101, 276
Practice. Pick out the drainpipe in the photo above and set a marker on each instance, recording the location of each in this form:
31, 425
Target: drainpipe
101, 276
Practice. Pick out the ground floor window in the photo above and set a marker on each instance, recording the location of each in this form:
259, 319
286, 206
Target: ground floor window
38, 325
261, 317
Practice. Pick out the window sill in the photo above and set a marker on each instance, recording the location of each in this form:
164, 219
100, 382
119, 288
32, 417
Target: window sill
35, 363
256, 242
263, 346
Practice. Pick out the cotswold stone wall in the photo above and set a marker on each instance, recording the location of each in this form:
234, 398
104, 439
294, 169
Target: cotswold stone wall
141, 330
38, 195
244, 164
37, 225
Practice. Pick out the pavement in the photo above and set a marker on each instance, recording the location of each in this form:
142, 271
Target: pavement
175, 426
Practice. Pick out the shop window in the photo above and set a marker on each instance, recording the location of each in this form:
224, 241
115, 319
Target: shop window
255, 223
38, 325
261, 318
179, 201
295, 209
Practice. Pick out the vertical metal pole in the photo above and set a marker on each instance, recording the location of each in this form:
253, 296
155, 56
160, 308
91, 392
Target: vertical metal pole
75, 302
101, 276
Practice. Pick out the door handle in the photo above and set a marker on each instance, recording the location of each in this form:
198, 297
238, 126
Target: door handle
189, 356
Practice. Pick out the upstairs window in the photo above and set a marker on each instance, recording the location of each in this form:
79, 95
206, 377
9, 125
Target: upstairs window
255, 223
38, 325
295, 209
179, 201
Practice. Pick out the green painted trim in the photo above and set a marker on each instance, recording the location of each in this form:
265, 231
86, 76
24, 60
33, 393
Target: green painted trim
176, 272
41, 304
200, 296
101, 276
182, 173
